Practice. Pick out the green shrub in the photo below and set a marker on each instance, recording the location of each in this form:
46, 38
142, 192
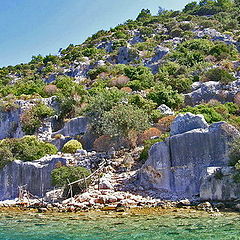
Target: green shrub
161, 94
215, 113
28, 148
218, 74
234, 153
104, 100
71, 146
32, 119
122, 120
6, 156
209, 113
63, 175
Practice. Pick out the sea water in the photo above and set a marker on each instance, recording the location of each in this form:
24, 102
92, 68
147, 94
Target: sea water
125, 226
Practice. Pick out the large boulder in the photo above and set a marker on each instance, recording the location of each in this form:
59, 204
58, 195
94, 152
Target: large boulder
165, 110
187, 122
176, 164
35, 176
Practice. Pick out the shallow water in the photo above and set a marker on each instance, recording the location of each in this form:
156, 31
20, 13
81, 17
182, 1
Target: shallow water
112, 226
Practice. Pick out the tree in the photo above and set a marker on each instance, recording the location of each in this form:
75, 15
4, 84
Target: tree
61, 175
102, 102
225, 3
190, 6
145, 13
123, 119
161, 11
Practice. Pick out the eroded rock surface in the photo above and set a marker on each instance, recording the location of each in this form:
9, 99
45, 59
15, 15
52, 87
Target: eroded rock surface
176, 165
36, 176
217, 184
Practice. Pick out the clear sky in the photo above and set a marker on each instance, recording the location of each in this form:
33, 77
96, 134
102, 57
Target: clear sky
32, 27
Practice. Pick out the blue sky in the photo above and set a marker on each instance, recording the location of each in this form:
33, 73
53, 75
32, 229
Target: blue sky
32, 27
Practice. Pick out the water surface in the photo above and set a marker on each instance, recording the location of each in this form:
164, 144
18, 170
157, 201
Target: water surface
111, 226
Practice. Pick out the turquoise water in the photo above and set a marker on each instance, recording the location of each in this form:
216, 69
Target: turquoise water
169, 226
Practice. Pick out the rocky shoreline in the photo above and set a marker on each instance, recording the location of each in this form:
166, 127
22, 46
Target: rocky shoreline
117, 202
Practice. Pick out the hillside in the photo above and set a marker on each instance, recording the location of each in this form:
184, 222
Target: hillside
123, 88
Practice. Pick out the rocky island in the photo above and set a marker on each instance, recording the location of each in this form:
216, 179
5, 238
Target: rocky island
146, 114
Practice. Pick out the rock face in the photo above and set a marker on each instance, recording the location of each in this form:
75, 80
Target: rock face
165, 110
10, 126
206, 91
74, 127
217, 183
176, 165
10, 120
187, 122
35, 175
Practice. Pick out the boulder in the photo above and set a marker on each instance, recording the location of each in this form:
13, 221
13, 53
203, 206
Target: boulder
187, 122
175, 166
165, 110
105, 184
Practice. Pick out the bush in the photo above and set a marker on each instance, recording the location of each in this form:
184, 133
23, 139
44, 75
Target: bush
164, 123
234, 153
122, 120
6, 156
101, 102
63, 175
165, 95
50, 90
148, 134
214, 113
102, 144
71, 146
209, 113
147, 145
28, 148
32, 119
218, 74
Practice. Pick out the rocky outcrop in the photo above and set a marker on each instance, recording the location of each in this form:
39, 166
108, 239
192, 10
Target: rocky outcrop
74, 127
10, 126
176, 165
10, 119
35, 176
217, 184
165, 110
203, 92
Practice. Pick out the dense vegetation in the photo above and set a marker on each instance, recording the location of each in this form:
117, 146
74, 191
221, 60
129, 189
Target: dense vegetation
129, 71
28, 148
